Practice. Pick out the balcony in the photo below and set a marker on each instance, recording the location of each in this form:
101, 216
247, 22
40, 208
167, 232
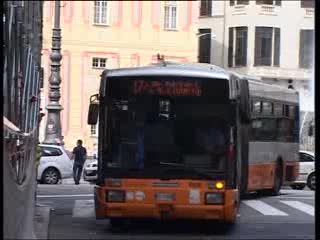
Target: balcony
268, 10
309, 13
279, 72
240, 10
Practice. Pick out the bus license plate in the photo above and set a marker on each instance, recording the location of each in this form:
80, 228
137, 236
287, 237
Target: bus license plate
165, 196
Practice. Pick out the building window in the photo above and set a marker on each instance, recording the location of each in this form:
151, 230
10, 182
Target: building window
99, 62
242, 2
268, 2
307, 3
240, 34
206, 8
267, 46
239, 2
306, 48
170, 15
204, 45
100, 12
93, 130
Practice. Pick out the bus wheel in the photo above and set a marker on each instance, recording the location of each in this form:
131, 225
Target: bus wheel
277, 183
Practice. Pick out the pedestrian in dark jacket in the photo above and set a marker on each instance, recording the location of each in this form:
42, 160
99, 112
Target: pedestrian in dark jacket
79, 156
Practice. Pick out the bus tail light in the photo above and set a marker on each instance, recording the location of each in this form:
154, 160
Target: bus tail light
115, 196
214, 198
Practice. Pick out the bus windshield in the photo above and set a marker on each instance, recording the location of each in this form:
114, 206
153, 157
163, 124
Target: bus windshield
157, 132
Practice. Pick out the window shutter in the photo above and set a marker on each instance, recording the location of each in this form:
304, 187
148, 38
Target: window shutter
230, 49
307, 3
205, 7
204, 45
266, 58
245, 46
242, 2
209, 8
301, 52
276, 52
241, 46
257, 48
263, 46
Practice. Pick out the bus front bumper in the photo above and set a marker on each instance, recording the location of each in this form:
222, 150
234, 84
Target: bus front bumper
226, 212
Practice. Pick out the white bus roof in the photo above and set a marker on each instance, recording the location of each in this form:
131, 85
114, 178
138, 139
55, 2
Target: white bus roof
200, 70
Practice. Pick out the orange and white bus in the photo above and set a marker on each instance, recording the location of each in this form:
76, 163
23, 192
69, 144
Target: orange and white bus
175, 142
273, 149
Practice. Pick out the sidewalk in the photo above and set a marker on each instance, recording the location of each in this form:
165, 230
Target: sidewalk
70, 181
41, 222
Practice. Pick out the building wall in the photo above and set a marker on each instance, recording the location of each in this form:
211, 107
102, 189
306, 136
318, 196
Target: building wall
289, 17
133, 37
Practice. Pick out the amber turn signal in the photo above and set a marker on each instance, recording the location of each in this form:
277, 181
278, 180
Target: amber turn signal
219, 185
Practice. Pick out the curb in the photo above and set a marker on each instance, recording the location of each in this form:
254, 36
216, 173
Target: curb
41, 222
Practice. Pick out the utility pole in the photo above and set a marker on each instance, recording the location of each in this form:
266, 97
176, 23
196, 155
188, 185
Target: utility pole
53, 125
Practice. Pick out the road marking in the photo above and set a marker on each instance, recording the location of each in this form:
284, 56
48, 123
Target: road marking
306, 208
83, 209
297, 197
62, 196
264, 208
299, 192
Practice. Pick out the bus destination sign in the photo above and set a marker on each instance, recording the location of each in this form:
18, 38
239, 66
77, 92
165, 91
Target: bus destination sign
167, 88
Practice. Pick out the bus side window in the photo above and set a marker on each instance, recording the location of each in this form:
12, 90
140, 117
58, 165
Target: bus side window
267, 108
286, 110
277, 109
292, 112
257, 107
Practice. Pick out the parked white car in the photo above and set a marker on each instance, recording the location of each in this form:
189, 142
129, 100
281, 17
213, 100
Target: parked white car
307, 174
90, 171
54, 165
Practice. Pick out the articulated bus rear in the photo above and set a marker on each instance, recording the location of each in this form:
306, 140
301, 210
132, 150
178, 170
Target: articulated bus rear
167, 138
273, 138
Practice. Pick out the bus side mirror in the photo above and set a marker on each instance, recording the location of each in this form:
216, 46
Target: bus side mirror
93, 110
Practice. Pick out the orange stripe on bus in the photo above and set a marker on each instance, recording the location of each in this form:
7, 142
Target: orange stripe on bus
261, 176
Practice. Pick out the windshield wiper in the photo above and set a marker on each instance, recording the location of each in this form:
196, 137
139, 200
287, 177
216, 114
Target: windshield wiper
181, 166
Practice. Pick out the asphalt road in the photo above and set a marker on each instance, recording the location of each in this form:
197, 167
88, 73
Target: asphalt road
288, 216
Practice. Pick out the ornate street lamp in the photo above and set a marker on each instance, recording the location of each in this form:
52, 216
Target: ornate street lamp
53, 125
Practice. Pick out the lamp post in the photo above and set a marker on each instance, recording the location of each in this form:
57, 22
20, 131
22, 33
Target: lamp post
53, 125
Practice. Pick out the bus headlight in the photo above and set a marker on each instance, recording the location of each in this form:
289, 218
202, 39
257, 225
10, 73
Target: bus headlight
115, 196
214, 198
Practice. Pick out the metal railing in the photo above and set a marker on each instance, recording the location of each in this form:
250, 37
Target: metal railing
22, 78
